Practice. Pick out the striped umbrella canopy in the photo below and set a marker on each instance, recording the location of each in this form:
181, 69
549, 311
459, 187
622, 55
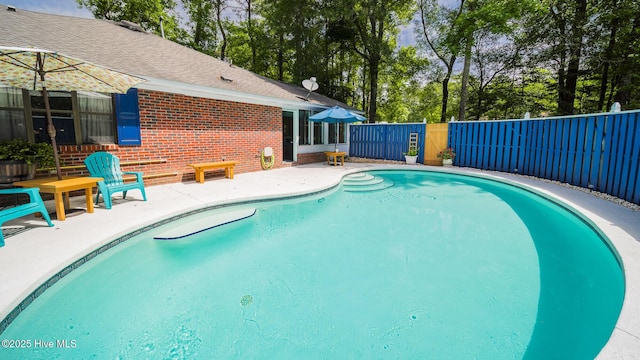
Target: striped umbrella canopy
33, 69
37, 69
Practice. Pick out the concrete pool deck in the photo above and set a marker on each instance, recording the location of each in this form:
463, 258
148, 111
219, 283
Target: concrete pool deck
30, 258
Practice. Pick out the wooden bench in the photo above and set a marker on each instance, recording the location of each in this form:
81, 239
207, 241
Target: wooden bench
202, 167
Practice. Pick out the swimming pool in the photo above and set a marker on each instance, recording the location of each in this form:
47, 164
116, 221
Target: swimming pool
335, 275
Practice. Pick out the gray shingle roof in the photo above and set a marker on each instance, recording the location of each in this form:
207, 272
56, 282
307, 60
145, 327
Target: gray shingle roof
143, 54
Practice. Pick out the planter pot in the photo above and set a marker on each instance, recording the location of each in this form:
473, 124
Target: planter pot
12, 171
447, 162
411, 159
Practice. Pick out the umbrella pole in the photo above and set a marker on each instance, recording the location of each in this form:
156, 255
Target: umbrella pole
51, 130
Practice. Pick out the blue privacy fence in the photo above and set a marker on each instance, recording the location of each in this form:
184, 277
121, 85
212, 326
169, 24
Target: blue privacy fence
595, 151
384, 141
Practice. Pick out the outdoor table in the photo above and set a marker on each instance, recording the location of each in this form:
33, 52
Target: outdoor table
58, 188
336, 155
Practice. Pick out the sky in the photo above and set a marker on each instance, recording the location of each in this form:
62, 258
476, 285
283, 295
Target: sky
59, 7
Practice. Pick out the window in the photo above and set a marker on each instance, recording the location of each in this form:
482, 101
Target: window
318, 133
96, 118
342, 133
79, 117
61, 115
12, 119
304, 128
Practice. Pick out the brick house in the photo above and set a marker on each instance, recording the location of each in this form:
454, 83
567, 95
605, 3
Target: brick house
192, 108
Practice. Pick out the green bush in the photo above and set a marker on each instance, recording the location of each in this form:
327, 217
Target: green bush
31, 153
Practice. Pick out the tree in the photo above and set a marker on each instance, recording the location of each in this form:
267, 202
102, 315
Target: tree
482, 16
400, 90
618, 60
569, 17
493, 56
153, 15
375, 23
436, 23
203, 30
246, 12
556, 31
257, 55
219, 6
297, 37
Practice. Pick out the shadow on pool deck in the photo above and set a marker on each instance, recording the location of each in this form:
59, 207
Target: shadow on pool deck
32, 257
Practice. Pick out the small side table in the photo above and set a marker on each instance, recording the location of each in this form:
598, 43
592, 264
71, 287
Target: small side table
59, 187
336, 155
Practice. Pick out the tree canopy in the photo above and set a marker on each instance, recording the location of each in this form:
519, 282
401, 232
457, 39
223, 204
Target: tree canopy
470, 59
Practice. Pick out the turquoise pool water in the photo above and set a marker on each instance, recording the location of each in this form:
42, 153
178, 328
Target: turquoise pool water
430, 265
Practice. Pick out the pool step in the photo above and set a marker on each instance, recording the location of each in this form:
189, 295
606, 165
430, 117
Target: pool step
209, 222
363, 182
357, 177
372, 181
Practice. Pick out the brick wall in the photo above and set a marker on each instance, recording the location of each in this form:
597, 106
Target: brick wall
311, 158
178, 129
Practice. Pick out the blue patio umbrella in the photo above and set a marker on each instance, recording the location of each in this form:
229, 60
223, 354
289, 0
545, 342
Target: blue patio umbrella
336, 115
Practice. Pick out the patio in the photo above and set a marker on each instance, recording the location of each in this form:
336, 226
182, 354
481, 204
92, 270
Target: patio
31, 257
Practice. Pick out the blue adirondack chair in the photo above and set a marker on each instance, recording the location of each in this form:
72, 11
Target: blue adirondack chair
107, 166
34, 205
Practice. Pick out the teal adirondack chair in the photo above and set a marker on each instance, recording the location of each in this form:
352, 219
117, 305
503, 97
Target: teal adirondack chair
34, 205
107, 166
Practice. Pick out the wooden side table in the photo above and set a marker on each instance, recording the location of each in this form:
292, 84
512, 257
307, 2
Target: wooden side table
335, 155
59, 187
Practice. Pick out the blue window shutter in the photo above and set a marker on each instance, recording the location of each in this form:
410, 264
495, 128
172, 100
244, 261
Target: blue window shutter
128, 118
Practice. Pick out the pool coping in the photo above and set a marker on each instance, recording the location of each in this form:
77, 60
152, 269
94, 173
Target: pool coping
45, 253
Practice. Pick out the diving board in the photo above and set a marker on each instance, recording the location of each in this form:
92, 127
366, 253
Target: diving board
210, 222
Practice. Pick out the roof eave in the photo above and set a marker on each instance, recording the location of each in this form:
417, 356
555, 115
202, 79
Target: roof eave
169, 86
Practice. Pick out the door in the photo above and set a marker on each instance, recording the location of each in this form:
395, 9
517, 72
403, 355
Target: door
287, 135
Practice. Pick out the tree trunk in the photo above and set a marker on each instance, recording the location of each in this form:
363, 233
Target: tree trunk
198, 31
604, 80
464, 91
445, 98
568, 97
223, 47
365, 102
373, 84
445, 90
625, 70
613, 85
252, 41
281, 57
562, 53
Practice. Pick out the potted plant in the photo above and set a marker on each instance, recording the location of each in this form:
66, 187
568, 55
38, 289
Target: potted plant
447, 156
411, 156
20, 158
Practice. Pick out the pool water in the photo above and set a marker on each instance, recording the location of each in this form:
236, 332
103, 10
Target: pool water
432, 265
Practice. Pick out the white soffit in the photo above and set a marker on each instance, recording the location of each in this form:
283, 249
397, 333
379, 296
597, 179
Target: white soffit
201, 91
